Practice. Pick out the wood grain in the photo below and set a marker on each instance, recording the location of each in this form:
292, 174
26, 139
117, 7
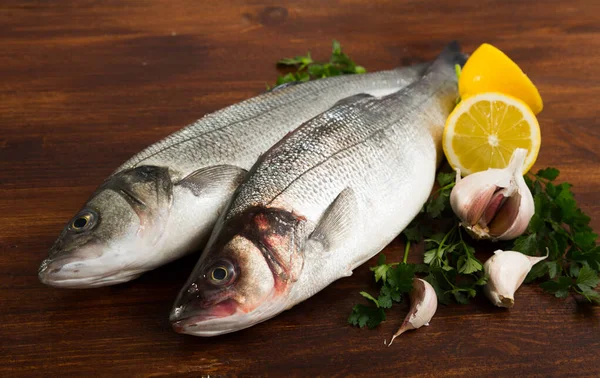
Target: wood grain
86, 84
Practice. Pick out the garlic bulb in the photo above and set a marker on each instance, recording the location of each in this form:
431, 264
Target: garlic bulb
494, 204
423, 304
506, 271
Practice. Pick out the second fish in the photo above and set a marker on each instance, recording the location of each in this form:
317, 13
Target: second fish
324, 200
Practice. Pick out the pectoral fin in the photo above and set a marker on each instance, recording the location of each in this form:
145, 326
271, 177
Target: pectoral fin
216, 177
336, 223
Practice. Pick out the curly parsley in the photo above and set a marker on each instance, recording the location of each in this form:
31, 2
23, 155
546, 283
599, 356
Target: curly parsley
454, 271
307, 69
561, 227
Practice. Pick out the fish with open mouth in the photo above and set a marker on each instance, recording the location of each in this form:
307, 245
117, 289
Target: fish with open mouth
162, 203
319, 203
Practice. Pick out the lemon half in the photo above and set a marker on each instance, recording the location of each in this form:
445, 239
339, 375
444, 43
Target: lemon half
484, 129
489, 70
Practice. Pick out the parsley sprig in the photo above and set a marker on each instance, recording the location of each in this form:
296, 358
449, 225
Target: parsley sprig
396, 280
561, 227
307, 69
454, 271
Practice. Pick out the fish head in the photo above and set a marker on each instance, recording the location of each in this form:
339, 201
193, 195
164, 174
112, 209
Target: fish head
244, 276
103, 243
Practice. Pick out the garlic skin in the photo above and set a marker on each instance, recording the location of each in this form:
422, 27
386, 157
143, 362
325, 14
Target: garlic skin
494, 204
506, 271
423, 304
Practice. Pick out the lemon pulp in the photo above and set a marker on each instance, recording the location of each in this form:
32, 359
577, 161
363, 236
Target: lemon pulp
483, 131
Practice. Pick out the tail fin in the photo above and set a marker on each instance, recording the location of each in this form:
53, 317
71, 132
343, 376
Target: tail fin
448, 58
452, 54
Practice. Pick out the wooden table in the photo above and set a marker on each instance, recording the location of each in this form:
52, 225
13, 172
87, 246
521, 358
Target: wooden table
85, 84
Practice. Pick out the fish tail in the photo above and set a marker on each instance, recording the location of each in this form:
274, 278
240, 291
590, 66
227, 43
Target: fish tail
452, 54
447, 60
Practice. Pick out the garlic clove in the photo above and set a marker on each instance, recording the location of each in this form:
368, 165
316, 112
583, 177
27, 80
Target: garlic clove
494, 204
477, 207
470, 196
507, 271
505, 217
493, 207
524, 213
423, 305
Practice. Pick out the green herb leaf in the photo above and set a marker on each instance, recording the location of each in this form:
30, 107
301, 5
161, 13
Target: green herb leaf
415, 231
460, 296
380, 272
548, 173
401, 277
436, 206
430, 256
299, 60
482, 280
384, 301
526, 244
369, 297
574, 269
468, 264
308, 69
440, 290
587, 277
554, 268
585, 240
566, 203
288, 78
364, 315
444, 179
387, 295
536, 272
381, 269
591, 295
560, 287
337, 48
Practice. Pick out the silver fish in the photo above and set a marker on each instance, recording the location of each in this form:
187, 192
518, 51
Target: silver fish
162, 203
319, 203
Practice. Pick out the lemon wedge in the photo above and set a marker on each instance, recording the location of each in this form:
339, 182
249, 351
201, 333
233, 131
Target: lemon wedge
490, 70
484, 129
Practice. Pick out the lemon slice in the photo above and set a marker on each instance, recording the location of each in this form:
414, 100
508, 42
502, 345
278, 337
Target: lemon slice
490, 70
483, 131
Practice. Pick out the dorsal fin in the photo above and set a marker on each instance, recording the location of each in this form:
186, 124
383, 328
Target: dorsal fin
284, 85
353, 98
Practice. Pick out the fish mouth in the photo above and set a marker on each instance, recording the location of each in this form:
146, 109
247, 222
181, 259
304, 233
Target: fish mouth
70, 272
218, 319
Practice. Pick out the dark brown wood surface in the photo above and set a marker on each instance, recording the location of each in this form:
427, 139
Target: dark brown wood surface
86, 84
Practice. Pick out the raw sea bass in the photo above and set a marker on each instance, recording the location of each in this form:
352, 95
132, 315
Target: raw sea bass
319, 203
163, 202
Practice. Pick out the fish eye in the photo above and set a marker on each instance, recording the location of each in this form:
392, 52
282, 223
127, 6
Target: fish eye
83, 221
219, 273
222, 273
